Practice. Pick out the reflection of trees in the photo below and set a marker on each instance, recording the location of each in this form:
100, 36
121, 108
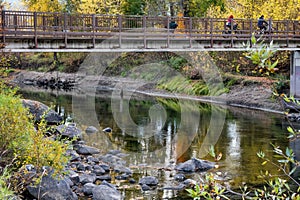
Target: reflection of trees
246, 133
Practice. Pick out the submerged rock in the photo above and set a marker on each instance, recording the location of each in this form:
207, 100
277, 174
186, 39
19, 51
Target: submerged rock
195, 165
179, 177
91, 130
107, 130
148, 180
86, 150
69, 131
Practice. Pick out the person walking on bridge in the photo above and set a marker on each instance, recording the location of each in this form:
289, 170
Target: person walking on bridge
262, 24
230, 22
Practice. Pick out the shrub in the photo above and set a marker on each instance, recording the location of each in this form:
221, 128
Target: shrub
21, 142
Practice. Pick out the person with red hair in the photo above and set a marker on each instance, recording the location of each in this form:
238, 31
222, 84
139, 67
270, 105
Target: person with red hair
230, 22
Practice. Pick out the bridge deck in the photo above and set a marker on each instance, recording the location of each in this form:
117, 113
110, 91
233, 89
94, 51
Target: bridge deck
39, 31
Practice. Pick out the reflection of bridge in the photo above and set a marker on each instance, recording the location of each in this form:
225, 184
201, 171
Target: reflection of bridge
23, 31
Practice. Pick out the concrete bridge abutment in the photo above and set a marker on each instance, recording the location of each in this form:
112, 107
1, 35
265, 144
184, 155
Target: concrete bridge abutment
295, 74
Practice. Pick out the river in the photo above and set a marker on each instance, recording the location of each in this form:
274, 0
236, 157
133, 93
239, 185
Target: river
157, 133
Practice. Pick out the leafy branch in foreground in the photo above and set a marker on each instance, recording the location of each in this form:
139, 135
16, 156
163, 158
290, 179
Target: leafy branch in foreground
275, 188
260, 54
285, 160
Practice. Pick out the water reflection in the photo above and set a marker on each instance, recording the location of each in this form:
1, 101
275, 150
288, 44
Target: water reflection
159, 133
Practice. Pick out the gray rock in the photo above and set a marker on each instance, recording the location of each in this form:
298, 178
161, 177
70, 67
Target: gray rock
99, 170
106, 191
112, 160
88, 188
179, 177
91, 130
51, 189
69, 131
122, 169
73, 154
105, 167
104, 178
122, 177
145, 187
38, 109
74, 178
189, 182
114, 152
87, 178
132, 181
148, 180
195, 165
176, 187
82, 167
86, 150
107, 130
92, 159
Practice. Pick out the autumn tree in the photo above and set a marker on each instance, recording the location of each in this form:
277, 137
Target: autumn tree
43, 5
199, 8
133, 7
252, 9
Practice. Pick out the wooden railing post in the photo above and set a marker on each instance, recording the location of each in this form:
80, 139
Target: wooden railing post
65, 30
3, 25
15, 22
93, 29
190, 30
251, 31
144, 30
168, 32
120, 30
211, 33
35, 31
287, 33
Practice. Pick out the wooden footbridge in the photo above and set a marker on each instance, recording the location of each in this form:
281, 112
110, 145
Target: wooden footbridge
23, 31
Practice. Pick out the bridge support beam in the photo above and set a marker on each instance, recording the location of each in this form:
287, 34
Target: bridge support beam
295, 74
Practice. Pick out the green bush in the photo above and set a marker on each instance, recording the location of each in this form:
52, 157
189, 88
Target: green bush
14, 125
21, 142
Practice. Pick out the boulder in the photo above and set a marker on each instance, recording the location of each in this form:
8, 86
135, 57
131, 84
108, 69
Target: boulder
69, 131
106, 191
195, 165
88, 188
52, 189
38, 109
122, 169
86, 150
91, 130
87, 178
179, 177
148, 180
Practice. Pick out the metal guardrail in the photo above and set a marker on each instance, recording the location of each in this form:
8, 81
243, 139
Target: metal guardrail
39, 26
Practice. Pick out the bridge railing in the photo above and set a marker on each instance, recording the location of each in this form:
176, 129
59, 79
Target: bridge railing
62, 25
42, 21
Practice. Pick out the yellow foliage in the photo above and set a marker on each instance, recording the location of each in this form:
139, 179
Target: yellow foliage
43, 5
19, 136
249, 9
100, 7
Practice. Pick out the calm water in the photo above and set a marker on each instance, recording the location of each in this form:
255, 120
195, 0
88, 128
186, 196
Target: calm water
158, 133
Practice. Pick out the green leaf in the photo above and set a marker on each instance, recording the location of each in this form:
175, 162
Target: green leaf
283, 161
291, 130
253, 39
265, 162
293, 170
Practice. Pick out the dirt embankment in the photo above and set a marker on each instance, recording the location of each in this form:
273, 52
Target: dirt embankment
248, 92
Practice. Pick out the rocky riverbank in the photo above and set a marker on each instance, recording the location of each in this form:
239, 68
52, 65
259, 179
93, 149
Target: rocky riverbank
91, 174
